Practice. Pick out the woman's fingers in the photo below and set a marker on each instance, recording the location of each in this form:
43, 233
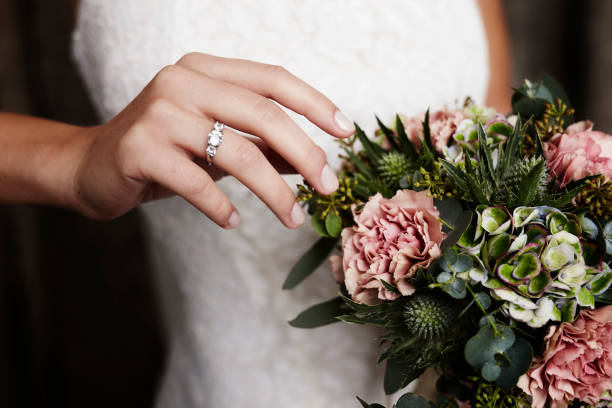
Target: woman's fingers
237, 156
176, 172
252, 113
274, 82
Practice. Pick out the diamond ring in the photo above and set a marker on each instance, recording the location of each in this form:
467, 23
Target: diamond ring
215, 137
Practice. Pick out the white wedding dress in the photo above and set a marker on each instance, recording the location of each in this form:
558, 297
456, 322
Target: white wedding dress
225, 313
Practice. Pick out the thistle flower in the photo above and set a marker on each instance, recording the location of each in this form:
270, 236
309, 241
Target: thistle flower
512, 180
428, 317
393, 167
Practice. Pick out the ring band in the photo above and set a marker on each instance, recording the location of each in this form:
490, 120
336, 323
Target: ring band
215, 137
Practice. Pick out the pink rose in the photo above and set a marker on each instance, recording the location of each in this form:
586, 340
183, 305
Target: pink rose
577, 362
392, 239
579, 153
442, 124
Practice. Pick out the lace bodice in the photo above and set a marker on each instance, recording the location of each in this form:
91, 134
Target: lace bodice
221, 292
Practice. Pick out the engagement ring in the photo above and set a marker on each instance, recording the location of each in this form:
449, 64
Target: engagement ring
215, 137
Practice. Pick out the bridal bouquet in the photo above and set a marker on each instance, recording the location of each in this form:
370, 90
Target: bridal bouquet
480, 244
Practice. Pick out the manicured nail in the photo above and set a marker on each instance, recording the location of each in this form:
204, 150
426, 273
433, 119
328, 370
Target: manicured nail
234, 220
343, 122
329, 179
297, 214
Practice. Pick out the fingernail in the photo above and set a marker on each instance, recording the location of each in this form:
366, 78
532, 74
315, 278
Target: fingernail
329, 179
297, 214
343, 122
234, 220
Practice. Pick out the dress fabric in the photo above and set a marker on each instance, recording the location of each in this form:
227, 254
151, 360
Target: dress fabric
220, 292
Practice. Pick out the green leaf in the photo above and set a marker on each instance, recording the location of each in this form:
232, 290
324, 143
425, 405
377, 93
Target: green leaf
366, 405
529, 184
333, 224
485, 154
318, 225
462, 223
486, 344
388, 134
407, 147
585, 298
320, 314
372, 150
427, 132
568, 312
450, 210
601, 282
512, 147
389, 286
359, 164
491, 370
399, 374
309, 262
519, 358
456, 173
412, 401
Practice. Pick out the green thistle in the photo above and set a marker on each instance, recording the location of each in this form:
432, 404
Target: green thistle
428, 317
512, 182
596, 197
392, 167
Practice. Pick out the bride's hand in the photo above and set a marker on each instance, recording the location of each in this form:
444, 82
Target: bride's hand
148, 150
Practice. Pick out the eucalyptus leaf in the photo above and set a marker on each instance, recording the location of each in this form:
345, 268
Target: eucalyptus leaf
450, 210
520, 356
320, 315
412, 401
462, 223
309, 262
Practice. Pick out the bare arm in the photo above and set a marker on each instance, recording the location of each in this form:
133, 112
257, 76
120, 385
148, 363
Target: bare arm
37, 161
498, 95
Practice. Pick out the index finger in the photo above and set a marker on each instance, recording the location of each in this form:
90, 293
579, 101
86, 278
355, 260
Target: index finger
274, 82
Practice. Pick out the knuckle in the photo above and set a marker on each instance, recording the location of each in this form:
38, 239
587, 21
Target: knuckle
198, 185
130, 148
158, 108
247, 154
278, 70
166, 77
189, 58
316, 156
268, 111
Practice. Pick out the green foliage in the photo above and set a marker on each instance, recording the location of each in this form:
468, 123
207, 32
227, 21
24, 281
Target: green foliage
309, 262
518, 173
321, 314
428, 316
490, 395
532, 98
392, 167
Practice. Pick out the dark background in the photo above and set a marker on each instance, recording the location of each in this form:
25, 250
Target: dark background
78, 318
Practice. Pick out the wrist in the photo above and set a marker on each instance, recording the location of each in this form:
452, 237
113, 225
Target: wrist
58, 161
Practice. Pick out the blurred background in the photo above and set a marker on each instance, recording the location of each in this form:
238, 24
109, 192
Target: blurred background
78, 318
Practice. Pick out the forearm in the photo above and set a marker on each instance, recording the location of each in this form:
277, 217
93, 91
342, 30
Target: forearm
38, 160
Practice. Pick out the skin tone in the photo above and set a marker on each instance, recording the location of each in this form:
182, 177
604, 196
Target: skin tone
154, 147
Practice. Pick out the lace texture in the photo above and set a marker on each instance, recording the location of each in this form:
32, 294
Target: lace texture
225, 313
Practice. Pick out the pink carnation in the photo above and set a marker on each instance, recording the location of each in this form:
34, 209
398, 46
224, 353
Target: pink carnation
579, 153
577, 362
442, 124
392, 239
